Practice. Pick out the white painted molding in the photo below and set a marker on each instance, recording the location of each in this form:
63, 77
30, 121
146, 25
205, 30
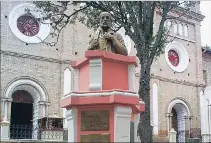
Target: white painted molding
205, 112
178, 101
185, 106
67, 89
103, 94
95, 74
36, 91
72, 124
131, 77
76, 79
155, 108
122, 117
19, 10
182, 53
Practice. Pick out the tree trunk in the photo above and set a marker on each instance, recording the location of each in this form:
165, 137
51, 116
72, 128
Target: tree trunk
144, 127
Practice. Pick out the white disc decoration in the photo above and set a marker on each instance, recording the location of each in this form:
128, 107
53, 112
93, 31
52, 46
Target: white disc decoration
176, 56
126, 38
26, 27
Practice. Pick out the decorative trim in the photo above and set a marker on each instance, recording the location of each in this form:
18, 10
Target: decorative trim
20, 83
96, 68
71, 115
93, 54
182, 53
107, 93
122, 116
76, 101
39, 58
19, 10
76, 79
182, 38
131, 77
177, 81
174, 81
189, 14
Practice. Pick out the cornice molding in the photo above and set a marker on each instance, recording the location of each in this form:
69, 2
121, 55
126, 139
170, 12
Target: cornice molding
175, 81
189, 14
40, 58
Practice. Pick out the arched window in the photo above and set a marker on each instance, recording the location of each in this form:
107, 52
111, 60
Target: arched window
186, 30
175, 28
67, 89
67, 81
180, 29
168, 24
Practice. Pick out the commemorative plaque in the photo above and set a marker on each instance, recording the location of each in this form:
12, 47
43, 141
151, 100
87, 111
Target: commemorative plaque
95, 120
95, 138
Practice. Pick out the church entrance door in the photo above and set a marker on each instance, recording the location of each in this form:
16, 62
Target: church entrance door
21, 115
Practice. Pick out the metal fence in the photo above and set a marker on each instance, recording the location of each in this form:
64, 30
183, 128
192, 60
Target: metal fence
29, 132
206, 137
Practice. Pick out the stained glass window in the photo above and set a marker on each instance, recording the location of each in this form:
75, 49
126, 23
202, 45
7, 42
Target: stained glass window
28, 25
173, 57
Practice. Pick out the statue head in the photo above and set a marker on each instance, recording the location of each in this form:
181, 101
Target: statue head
105, 20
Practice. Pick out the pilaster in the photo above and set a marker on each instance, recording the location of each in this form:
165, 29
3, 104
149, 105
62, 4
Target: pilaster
72, 124
122, 116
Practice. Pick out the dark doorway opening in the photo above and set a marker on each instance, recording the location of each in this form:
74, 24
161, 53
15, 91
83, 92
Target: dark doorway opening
21, 115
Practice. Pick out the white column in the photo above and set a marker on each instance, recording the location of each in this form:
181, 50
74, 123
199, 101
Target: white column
44, 110
155, 108
9, 109
5, 124
72, 124
202, 112
5, 110
40, 110
2, 108
95, 74
122, 116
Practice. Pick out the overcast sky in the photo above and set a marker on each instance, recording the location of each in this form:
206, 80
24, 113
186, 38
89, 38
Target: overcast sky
206, 23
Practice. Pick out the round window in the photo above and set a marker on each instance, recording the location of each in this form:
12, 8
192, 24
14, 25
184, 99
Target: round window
176, 56
27, 25
173, 57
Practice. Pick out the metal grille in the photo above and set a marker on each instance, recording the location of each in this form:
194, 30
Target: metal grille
206, 138
20, 131
28, 132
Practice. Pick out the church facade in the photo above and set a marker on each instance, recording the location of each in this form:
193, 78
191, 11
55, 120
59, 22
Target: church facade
35, 76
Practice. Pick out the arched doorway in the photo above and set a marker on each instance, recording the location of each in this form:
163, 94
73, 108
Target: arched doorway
180, 111
179, 114
21, 115
38, 96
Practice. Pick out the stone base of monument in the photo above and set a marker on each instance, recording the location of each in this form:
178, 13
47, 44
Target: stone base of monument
104, 101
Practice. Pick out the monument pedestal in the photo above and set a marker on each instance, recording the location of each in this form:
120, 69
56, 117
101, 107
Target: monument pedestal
104, 102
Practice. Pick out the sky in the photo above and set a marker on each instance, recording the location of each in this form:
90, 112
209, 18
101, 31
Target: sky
205, 8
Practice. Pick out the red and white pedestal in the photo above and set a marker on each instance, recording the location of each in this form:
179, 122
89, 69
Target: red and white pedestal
104, 100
